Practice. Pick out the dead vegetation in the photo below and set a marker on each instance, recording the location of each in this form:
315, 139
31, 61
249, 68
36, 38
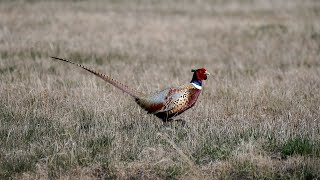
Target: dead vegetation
257, 118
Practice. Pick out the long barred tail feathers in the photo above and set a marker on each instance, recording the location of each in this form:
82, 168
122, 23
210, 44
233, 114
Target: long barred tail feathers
110, 80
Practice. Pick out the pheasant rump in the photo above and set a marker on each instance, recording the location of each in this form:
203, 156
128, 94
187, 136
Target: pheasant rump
165, 104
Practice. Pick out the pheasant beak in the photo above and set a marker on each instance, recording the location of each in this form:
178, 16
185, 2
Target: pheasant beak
207, 73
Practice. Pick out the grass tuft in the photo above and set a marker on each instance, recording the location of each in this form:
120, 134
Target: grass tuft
300, 146
208, 153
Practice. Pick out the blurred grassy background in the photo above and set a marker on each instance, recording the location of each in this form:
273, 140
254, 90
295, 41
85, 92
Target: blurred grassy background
258, 115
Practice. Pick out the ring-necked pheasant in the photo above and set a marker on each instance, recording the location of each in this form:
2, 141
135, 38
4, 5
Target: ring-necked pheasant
165, 104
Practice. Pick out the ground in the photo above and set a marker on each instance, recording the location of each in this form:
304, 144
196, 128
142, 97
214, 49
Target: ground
257, 117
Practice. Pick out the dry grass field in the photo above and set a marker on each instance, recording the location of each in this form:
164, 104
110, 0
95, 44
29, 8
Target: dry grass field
258, 116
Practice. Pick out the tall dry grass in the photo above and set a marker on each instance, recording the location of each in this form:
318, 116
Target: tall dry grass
258, 115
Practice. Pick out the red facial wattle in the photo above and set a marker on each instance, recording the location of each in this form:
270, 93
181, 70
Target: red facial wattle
201, 74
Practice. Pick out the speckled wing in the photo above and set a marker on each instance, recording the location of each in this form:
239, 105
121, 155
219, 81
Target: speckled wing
175, 98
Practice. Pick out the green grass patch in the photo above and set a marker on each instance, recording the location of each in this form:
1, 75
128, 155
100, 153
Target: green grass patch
209, 153
16, 163
170, 172
100, 145
301, 146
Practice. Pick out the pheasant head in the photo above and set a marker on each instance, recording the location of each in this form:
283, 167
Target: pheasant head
198, 76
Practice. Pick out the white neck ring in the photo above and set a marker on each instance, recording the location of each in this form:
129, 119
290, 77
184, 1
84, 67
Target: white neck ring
196, 86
